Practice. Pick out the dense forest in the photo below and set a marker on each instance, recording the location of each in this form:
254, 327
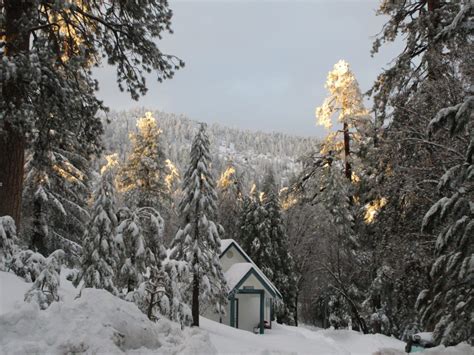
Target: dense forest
370, 228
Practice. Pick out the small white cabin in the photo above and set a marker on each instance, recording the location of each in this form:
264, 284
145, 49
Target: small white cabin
252, 295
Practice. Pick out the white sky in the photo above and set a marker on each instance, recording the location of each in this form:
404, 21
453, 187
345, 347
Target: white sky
259, 65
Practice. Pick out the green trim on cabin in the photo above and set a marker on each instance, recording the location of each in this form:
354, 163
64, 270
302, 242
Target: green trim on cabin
259, 278
232, 311
243, 255
238, 248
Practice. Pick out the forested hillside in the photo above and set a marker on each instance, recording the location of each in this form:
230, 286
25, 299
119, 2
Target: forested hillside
250, 152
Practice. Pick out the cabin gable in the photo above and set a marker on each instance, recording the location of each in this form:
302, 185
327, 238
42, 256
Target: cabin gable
231, 256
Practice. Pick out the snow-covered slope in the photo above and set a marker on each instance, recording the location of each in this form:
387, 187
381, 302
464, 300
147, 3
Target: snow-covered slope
99, 323
95, 323
250, 152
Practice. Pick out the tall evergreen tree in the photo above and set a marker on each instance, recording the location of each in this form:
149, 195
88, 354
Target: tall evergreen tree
427, 109
345, 99
198, 241
284, 276
448, 304
323, 183
255, 234
143, 177
100, 255
140, 237
230, 201
48, 49
55, 194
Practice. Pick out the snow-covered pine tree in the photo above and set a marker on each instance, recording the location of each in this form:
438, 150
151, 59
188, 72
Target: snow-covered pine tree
229, 201
143, 176
100, 254
284, 276
255, 233
160, 294
323, 183
448, 305
345, 99
47, 71
177, 273
148, 277
134, 253
436, 93
198, 241
7, 240
55, 194
45, 288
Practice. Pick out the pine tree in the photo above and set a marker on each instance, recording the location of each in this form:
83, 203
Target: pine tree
345, 99
45, 287
99, 251
229, 201
284, 276
8, 239
135, 253
55, 193
255, 235
198, 241
48, 51
323, 183
143, 176
427, 109
448, 304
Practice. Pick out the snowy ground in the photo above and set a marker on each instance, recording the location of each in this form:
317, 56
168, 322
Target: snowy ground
99, 323
296, 340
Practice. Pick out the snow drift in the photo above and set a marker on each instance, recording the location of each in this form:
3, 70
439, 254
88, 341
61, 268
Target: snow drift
96, 322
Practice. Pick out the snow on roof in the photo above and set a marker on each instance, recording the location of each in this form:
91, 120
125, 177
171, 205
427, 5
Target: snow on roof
225, 244
235, 273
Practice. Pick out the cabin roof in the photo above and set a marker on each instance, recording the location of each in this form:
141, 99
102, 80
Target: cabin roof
249, 265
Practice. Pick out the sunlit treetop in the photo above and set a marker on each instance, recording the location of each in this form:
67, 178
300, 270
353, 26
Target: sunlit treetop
148, 126
112, 163
344, 100
227, 178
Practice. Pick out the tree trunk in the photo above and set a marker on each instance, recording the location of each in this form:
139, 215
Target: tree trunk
296, 308
12, 141
433, 48
347, 151
12, 160
195, 306
150, 306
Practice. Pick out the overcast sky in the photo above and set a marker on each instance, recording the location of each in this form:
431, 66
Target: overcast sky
259, 65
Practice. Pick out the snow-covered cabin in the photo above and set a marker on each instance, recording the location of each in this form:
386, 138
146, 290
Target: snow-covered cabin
252, 295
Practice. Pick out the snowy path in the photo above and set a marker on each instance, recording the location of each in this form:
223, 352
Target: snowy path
296, 340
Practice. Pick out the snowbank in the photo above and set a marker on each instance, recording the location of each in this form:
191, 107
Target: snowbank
99, 323
96, 322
